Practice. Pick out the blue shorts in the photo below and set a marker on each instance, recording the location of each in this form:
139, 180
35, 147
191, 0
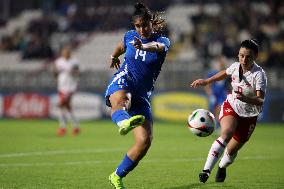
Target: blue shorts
140, 101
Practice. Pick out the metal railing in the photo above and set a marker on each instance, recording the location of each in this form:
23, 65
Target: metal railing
174, 76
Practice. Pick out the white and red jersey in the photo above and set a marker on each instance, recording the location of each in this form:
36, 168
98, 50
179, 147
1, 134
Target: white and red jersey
67, 82
251, 81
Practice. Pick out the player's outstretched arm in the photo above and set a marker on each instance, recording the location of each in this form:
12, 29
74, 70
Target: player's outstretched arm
151, 46
202, 82
119, 50
198, 82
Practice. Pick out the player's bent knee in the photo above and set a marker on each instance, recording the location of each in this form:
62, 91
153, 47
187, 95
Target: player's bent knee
227, 135
144, 142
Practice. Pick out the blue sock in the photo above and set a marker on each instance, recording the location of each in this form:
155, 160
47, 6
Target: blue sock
125, 166
119, 115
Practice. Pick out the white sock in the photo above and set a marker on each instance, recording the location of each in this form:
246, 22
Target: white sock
62, 118
227, 159
215, 152
72, 118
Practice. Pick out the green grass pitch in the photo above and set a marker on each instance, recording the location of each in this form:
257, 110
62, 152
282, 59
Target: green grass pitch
32, 157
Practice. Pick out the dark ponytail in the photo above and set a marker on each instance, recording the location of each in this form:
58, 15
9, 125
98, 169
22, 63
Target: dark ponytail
142, 11
156, 18
251, 44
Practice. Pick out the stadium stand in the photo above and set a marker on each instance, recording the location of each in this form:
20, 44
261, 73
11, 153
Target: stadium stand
198, 31
94, 55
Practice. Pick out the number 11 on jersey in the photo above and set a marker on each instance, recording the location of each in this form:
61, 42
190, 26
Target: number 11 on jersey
140, 53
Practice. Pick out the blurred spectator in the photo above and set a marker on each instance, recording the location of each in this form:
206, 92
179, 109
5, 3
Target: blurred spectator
12, 42
37, 47
213, 34
263, 21
43, 27
2, 22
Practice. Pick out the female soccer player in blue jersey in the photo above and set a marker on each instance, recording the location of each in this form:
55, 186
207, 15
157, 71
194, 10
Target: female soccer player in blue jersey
130, 88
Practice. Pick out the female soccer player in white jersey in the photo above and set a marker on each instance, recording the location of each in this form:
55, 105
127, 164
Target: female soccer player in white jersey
238, 115
67, 72
130, 88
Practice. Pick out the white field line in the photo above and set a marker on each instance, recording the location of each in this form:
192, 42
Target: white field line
102, 162
59, 152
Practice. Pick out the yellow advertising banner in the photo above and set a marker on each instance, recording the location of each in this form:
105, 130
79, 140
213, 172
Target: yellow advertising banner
176, 106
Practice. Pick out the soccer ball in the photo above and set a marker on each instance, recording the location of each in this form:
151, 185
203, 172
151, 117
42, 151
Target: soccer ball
201, 122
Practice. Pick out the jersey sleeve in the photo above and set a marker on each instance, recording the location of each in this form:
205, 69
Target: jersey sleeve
127, 38
165, 41
261, 81
232, 68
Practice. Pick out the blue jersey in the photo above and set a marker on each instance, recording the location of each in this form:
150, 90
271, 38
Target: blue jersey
138, 72
144, 66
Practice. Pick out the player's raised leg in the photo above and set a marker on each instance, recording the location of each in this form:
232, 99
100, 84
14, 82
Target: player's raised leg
120, 103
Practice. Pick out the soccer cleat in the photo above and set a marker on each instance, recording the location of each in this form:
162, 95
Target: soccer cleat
204, 175
61, 132
116, 181
220, 175
75, 131
129, 124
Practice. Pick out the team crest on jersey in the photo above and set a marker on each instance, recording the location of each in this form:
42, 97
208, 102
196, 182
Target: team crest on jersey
228, 110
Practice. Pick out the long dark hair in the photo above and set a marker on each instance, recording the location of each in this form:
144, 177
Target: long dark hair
155, 17
251, 44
